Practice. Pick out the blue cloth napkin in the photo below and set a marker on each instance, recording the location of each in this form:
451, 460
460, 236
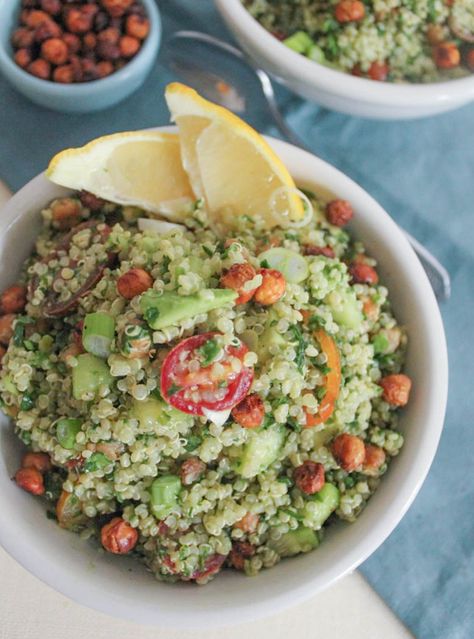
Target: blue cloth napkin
422, 172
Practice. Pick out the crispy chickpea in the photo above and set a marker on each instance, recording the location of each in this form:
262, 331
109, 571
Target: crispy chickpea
272, 287
52, 7
137, 26
73, 350
435, 33
363, 274
370, 309
446, 55
118, 536
235, 279
349, 11
116, 8
39, 461
104, 68
6, 328
191, 470
89, 41
357, 71
248, 523
55, 51
47, 30
326, 251
23, 58
80, 19
374, 459
129, 46
378, 71
13, 299
35, 18
108, 51
64, 74
110, 35
250, 412
89, 70
349, 451
396, 389
309, 477
40, 68
339, 212
22, 38
65, 213
241, 550
31, 480
101, 21
73, 42
134, 282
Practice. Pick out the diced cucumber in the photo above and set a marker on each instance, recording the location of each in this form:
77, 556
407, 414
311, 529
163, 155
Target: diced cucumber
345, 308
164, 493
319, 506
292, 265
169, 308
270, 337
153, 412
292, 543
261, 450
89, 374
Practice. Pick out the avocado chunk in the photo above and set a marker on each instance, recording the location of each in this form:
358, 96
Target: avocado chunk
302, 539
320, 505
261, 450
344, 308
166, 309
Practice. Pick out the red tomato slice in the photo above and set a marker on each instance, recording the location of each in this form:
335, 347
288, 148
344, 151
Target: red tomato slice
179, 386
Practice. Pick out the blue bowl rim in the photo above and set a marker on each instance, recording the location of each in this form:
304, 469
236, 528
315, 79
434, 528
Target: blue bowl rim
80, 89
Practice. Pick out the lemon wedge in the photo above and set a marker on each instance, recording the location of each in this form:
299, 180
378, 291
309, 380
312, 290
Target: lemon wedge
140, 168
230, 165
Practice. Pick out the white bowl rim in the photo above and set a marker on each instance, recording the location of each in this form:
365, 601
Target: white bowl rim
338, 82
88, 593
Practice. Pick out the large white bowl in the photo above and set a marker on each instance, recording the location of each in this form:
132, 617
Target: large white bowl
341, 91
119, 587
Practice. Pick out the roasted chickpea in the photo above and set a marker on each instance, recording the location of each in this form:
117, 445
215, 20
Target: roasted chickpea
134, 282
116, 8
349, 11
241, 550
248, 523
89, 41
104, 68
52, 7
80, 19
339, 212
35, 18
6, 328
107, 51
22, 38
363, 274
55, 51
272, 288
236, 278
309, 477
435, 33
128, 46
73, 42
31, 480
137, 26
191, 470
311, 249
250, 412
371, 309
65, 213
64, 74
39, 461
396, 389
47, 30
13, 299
110, 35
374, 459
349, 451
118, 536
446, 55
23, 58
378, 71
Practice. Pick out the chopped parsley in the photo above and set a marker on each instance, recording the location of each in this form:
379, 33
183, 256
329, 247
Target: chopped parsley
209, 352
173, 389
264, 264
151, 315
192, 443
300, 340
97, 461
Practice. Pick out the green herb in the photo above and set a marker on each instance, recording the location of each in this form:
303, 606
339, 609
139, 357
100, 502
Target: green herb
173, 389
316, 321
50, 514
380, 343
53, 485
19, 330
328, 25
27, 402
285, 480
193, 442
25, 437
324, 368
300, 346
156, 394
151, 314
268, 421
209, 352
97, 461
293, 424
198, 204
332, 46
165, 264
264, 264
29, 345
207, 250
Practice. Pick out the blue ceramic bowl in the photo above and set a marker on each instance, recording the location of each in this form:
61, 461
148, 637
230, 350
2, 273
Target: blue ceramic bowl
85, 96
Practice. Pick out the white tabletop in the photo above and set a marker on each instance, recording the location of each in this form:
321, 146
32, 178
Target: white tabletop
31, 610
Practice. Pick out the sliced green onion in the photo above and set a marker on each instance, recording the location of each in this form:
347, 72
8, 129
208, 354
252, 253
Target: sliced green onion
66, 431
292, 265
209, 352
89, 374
164, 493
97, 461
98, 333
300, 42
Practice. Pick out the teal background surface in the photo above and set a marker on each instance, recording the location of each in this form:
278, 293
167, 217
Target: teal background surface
422, 172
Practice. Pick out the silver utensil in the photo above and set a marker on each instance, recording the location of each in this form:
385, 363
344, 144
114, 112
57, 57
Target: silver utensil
216, 78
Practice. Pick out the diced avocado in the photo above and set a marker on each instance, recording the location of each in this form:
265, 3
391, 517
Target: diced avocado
261, 450
301, 42
320, 505
270, 337
168, 308
90, 373
153, 412
344, 308
302, 539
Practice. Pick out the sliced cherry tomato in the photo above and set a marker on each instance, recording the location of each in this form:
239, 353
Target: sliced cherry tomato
332, 382
191, 391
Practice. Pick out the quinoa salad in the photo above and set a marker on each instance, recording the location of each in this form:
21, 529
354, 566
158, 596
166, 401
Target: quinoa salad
386, 40
200, 403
